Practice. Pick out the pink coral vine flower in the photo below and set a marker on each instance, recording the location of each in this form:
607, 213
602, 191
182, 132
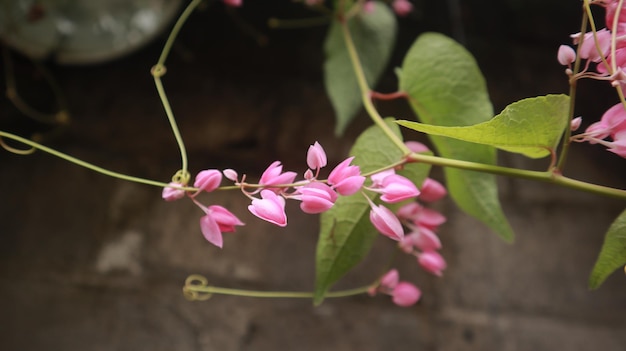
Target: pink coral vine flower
316, 197
316, 157
218, 220
208, 180
346, 179
396, 188
432, 190
566, 55
386, 222
270, 208
274, 175
432, 262
405, 294
402, 7
233, 3
172, 193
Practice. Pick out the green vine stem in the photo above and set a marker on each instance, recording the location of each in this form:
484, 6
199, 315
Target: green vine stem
159, 70
197, 289
84, 164
366, 91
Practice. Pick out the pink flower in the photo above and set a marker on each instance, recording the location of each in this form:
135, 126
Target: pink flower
274, 175
386, 222
405, 294
588, 49
270, 208
423, 239
208, 180
390, 279
316, 157
612, 122
316, 197
396, 188
575, 123
416, 146
432, 190
566, 55
402, 7
346, 179
377, 178
432, 262
421, 216
233, 3
231, 174
618, 146
218, 220
368, 6
170, 193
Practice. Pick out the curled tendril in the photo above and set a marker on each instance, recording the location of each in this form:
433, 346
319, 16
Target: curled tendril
196, 288
16, 151
181, 177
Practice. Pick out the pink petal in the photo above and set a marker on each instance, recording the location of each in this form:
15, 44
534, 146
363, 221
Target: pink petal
211, 230
405, 294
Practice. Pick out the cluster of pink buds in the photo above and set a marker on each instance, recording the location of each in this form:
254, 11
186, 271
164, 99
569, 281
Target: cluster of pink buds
402, 293
610, 64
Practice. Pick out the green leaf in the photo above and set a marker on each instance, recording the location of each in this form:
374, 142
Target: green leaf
532, 127
613, 253
373, 34
446, 87
346, 234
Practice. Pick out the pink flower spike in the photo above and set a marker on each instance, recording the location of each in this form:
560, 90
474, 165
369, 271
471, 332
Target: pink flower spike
233, 3
566, 55
274, 175
208, 180
346, 179
390, 279
397, 188
432, 190
170, 193
405, 294
386, 222
270, 208
316, 157
231, 174
316, 197
432, 262
402, 7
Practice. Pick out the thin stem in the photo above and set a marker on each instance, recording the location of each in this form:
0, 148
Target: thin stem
86, 164
197, 288
159, 70
365, 90
572, 95
548, 177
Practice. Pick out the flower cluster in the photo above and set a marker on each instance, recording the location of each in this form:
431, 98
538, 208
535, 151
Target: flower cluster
609, 59
275, 186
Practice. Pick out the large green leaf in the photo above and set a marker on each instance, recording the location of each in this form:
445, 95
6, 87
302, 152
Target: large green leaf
446, 87
373, 34
613, 253
532, 127
346, 234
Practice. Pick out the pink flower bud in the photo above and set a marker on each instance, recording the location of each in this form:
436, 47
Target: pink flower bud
208, 180
405, 294
308, 175
386, 222
575, 124
274, 175
432, 262
566, 55
316, 197
426, 240
396, 188
170, 193
346, 179
231, 174
402, 7
270, 208
368, 7
432, 190
316, 157
390, 279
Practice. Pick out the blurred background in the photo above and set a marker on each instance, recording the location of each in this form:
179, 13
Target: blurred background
88, 262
